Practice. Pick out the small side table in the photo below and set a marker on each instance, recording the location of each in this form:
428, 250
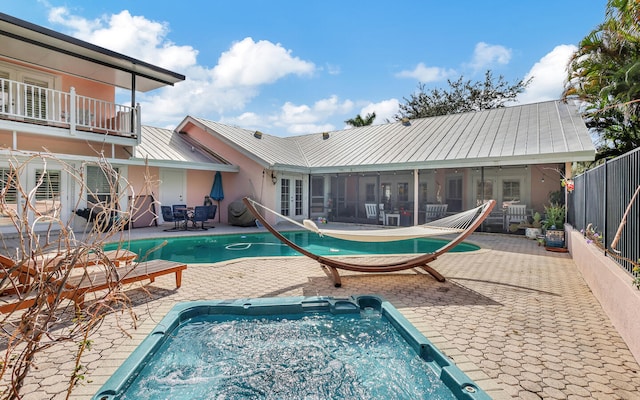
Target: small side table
396, 216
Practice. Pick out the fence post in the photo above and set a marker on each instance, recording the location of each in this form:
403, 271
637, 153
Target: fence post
605, 233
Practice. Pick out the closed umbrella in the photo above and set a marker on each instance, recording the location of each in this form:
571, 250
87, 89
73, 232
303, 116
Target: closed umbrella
217, 193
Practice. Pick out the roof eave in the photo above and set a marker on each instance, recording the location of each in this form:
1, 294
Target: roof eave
148, 76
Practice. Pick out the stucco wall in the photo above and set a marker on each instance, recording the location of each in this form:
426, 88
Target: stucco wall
612, 287
252, 179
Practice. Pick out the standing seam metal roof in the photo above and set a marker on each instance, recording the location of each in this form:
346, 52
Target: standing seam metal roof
544, 132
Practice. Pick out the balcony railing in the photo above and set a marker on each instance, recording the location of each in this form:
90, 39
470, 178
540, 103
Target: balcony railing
43, 106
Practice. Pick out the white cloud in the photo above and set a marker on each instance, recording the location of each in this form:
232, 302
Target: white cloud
426, 74
229, 86
385, 111
549, 75
249, 63
133, 36
300, 119
486, 55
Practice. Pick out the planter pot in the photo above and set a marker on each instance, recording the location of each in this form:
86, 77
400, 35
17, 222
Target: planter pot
533, 233
554, 238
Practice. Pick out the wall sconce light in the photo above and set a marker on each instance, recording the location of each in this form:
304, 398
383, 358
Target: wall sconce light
274, 178
257, 135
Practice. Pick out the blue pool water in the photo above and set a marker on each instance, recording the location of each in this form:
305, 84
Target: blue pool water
288, 348
214, 248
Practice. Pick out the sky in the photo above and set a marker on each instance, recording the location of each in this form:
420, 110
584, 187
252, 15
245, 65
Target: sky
294, 67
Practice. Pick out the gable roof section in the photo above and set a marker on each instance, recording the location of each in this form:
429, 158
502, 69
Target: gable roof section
547, 132
34, 44
164, 147
268, 151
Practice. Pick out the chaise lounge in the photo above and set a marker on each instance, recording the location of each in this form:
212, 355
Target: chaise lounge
18, 282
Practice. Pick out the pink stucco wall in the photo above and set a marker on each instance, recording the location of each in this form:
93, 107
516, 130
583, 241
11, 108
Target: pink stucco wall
144, 180
252, 180
611, 286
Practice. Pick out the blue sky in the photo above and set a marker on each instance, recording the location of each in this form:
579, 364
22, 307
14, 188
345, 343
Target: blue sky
296, 67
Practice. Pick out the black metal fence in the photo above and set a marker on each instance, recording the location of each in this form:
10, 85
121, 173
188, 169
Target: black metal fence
601, 197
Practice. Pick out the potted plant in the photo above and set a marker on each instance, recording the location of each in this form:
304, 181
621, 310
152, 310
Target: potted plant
554, 225
534, 229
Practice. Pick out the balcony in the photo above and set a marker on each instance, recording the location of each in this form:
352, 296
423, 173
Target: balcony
32, 104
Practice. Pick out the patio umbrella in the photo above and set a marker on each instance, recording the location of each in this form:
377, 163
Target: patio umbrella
217, 193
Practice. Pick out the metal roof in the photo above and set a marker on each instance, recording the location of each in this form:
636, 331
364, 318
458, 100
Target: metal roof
164, 147
268, 150
34, 44
547, 132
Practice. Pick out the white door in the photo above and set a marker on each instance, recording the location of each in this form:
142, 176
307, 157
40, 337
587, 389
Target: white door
292, 197
172, 187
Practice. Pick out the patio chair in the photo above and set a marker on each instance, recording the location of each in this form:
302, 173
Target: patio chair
516, 213
212, 210
372, 211
167, 215
200, 214
179, 212
435, 211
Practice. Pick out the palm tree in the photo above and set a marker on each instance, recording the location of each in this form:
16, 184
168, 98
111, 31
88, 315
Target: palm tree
359, 121
605, 75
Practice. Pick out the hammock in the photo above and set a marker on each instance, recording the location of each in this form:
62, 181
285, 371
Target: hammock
463, 223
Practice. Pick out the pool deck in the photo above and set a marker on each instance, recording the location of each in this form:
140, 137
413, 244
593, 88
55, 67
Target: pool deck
518, 319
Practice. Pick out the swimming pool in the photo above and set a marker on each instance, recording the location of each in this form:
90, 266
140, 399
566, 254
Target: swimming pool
285, 348
215, 248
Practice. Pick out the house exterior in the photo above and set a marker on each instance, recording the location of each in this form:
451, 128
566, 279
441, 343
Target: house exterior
516, 155
57, 96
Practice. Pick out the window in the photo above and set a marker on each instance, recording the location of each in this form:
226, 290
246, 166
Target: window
5, 101
36, 99
317, 194
454, 194
285, 190
100, 187
298, 197
9, 183
403, 191
370, 192
511, 190
484, 192
9, 194
422, 194
386, 193
47, 192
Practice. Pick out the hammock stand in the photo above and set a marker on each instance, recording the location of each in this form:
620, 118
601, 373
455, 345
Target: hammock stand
331, 266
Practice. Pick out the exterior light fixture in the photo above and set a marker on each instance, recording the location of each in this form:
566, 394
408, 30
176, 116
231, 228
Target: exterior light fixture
274, 178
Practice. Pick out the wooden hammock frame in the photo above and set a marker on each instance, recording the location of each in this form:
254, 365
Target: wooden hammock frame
331, 266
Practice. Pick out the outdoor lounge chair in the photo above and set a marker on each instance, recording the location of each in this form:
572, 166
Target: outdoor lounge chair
463, 224
19, 289
99, 279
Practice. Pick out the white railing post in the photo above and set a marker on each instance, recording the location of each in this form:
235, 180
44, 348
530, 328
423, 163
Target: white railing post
137, 122
72, 111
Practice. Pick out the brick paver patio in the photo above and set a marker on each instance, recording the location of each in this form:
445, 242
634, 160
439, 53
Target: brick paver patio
516, 318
